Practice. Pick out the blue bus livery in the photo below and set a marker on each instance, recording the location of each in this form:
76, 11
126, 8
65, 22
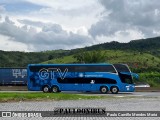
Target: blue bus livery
80, 77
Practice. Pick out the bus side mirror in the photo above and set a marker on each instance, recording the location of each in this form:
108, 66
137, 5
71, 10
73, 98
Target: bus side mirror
136, 76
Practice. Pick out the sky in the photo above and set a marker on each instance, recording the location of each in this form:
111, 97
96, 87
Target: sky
40, 25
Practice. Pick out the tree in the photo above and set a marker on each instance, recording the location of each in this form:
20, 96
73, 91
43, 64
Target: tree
91, 57
50, 57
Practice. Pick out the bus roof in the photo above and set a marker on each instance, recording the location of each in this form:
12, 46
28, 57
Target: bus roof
69, 64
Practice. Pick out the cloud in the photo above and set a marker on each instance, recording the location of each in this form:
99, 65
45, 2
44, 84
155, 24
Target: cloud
120, 36
7, 20
48, 24
64, 4
53, 28
69, 14
33, 23
2, 9
122, 15
19, 6
8, 45
51, 37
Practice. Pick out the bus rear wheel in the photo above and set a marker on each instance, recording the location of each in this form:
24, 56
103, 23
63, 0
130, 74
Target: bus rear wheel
114, 90
45, 89
55, 89
104, 89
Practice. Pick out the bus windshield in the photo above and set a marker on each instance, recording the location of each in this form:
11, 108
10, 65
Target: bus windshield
121, 68
124, 73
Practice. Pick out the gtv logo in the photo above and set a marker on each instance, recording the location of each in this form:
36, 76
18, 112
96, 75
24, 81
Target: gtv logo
50, 72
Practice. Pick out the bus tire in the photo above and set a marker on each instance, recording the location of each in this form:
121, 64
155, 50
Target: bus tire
114, 90
103, 89
55, 89
45, 89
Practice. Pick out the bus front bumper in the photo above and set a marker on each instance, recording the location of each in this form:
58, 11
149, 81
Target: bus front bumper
129, 88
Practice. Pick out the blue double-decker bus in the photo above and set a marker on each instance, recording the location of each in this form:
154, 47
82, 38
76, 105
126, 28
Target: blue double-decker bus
80, 77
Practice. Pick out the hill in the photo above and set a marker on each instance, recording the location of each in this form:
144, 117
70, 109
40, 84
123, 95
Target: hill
146, 52
150, 45
142, 54
22, 59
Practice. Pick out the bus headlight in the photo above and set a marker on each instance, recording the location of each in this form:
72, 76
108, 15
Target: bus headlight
127, 87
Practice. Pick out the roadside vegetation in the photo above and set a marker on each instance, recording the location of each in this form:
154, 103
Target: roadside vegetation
152, 78
16, 96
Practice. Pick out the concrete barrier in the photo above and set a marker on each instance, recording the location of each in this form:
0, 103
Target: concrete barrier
147, 89
13, 88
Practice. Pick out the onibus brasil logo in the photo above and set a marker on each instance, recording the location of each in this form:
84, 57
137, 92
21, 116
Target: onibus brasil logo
50, 73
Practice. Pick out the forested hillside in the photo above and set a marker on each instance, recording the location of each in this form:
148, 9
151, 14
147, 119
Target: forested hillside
22, 59
150, 45
146, 52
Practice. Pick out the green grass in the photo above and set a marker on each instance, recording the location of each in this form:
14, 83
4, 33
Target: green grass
117, 56
143, 59
16, 96
66, 59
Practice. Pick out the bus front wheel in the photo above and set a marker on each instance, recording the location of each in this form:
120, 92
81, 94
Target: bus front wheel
114, 90
104, 89
55, 89
45, 89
